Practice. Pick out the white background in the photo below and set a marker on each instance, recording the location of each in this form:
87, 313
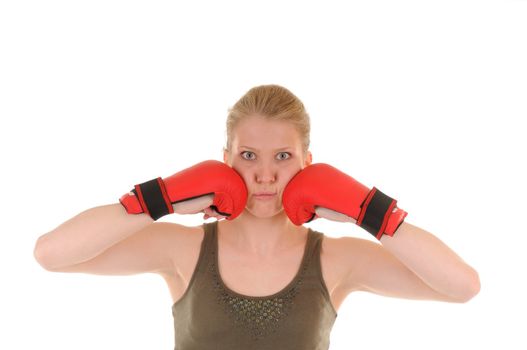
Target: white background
421, 99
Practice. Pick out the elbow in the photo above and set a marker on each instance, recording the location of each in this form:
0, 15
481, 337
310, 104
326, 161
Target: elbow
40, 255
471, 288
475, 287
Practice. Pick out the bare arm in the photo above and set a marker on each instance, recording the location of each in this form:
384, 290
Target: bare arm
412, 264
433, 261
92, 232
87, 235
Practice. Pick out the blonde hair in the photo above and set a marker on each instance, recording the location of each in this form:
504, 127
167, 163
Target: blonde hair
273, 102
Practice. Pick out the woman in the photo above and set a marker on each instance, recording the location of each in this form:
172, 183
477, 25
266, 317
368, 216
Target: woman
259, 279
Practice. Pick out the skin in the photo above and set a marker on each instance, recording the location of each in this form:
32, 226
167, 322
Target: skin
411, 257
267, 154
413, 264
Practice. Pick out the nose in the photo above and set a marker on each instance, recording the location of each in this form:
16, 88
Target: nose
265, 174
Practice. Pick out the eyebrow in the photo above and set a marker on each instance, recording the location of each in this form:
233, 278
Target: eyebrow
278, 149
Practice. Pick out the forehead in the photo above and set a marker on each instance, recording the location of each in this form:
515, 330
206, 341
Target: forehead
261, 133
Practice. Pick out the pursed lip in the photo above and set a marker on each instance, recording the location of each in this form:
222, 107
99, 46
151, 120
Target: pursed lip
264, 195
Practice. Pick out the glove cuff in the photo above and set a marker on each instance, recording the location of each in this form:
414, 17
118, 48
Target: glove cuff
149, 197
379, 214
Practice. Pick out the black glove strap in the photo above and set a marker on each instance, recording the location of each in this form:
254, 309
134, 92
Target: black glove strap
153, 198
375, 212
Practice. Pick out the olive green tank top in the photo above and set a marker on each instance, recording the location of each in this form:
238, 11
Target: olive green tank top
211, 316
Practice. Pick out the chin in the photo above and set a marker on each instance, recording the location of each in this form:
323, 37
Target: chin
267, 213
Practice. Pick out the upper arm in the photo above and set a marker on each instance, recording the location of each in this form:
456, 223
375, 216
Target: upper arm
150, 250
372, 268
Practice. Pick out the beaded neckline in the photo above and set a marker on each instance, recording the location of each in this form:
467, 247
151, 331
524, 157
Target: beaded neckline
284, 290
301, 269
258, 316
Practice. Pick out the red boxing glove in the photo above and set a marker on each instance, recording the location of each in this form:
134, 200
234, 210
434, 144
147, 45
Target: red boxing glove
155, 197
325, 186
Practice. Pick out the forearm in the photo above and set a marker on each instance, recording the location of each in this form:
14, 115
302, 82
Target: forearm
432, 261
87, 235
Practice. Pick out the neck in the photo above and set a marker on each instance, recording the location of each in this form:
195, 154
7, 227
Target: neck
262, 236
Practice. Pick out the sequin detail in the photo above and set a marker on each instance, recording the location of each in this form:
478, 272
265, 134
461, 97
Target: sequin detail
259, 317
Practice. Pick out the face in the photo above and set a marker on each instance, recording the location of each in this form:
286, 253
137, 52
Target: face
267, 154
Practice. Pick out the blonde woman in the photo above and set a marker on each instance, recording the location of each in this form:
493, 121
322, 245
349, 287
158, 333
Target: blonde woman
256, 278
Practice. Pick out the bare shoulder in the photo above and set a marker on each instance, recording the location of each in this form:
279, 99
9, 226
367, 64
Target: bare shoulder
157, 248
185, 242
348, 248
180, 234
365, 265
342, 256
340, 249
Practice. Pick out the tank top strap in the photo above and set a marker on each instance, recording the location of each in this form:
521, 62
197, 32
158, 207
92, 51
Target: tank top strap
207, 248
309, 262
210, 229
209, 243
314, 249
314, 264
